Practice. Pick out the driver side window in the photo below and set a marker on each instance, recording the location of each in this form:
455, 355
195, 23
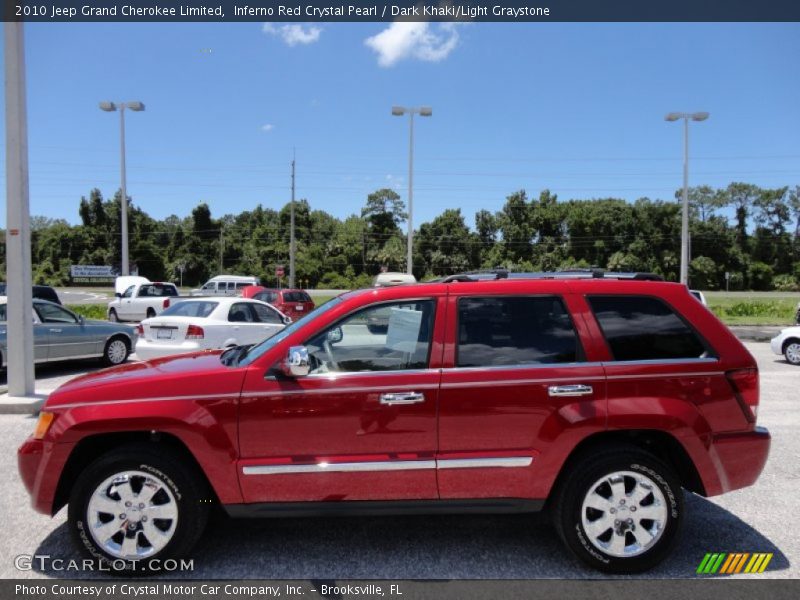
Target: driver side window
388, 337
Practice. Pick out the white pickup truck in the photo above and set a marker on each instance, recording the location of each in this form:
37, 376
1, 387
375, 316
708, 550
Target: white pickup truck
141, 300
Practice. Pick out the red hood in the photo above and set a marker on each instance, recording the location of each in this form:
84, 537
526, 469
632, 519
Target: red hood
200, 373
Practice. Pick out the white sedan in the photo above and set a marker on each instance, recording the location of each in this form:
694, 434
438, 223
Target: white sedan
207, 323
787, 342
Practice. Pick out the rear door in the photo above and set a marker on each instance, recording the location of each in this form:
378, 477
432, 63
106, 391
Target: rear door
516, 383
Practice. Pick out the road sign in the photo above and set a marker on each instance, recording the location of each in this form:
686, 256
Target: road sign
279, 272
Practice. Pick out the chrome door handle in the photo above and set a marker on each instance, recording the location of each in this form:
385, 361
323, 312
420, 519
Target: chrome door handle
569, 390
402, 398
52, 330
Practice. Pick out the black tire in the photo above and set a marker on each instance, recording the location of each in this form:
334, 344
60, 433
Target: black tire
567, 509
112, 316
791, 351
189, 493
377, 329
150, 313
112, 355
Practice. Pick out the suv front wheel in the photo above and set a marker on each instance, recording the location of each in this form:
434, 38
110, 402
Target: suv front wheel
620, 511
135, 504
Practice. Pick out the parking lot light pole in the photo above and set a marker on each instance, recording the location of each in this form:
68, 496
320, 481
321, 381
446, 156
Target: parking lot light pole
111, 107
674, 116
422, 111
19, 324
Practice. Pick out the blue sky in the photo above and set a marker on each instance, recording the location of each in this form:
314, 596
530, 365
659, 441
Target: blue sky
576, 108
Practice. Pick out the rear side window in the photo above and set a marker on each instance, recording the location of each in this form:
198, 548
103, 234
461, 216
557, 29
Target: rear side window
296, 297
644, 328
495, 331
190, 309
268, 297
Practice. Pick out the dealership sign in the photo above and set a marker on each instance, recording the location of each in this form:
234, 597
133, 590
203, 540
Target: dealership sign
93, 273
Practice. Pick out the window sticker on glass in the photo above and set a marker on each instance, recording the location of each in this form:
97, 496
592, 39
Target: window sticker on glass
404, 326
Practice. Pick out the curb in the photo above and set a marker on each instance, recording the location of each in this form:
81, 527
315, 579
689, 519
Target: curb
755, 333
21, 405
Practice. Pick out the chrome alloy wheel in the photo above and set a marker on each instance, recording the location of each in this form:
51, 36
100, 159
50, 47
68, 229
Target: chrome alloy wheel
116, 352
624, 514
132, 515
792, 353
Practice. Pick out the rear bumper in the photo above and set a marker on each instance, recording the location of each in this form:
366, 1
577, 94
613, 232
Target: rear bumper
737, 459
40, 466
146, 349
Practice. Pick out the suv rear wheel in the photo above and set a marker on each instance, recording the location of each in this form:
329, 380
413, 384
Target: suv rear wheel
137, 503
620, 511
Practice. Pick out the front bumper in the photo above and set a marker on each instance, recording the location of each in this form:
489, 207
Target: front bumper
776, 344
40, 466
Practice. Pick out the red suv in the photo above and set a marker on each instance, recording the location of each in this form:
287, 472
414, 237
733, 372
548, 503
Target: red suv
293, 303
598, 398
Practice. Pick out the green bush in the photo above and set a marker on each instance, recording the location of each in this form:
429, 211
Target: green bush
89, 311
786, 283
755, 308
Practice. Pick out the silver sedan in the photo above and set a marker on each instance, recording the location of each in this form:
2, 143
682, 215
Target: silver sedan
60, 334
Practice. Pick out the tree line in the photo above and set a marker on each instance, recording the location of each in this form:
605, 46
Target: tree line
752, 233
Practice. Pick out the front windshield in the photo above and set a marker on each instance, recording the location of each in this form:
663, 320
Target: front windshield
269, 343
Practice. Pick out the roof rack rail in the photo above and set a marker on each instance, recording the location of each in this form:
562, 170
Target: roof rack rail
578, 273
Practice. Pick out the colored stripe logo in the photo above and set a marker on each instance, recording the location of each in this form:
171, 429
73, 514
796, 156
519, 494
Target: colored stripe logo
722, 563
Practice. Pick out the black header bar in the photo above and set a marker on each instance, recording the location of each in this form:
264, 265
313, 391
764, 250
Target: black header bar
401, 10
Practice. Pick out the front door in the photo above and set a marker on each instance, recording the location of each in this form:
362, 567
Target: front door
361, 425
66, 335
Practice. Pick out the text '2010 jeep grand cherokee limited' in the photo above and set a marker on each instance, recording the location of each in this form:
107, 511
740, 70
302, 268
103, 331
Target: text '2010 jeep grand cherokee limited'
598, 398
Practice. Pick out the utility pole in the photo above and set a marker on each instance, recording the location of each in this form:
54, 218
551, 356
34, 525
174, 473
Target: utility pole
423, 111
111, 107
221, 248
291, 234
686, 255
18, 229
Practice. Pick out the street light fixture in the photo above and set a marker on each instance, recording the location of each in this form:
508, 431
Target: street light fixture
422, 111
111, 107
675, 116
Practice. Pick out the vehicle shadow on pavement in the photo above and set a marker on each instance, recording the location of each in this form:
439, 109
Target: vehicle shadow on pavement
426, 547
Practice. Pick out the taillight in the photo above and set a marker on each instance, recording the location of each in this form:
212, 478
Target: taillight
140, 329
745, 387
194, 332
166, 302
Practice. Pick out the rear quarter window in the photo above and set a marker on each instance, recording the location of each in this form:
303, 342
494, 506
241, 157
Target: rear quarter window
645, 328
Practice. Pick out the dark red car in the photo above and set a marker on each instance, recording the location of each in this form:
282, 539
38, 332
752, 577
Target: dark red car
293, 303
600, 398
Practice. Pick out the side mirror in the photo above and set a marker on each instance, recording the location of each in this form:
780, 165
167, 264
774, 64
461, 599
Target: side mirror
287, 320
335, 335
81, 320
296, 363
118, 294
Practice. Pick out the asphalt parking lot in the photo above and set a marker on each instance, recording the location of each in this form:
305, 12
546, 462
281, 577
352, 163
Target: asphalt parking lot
756, 519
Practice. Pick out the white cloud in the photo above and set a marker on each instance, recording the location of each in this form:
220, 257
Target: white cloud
294, 33
423, 41
268, 127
